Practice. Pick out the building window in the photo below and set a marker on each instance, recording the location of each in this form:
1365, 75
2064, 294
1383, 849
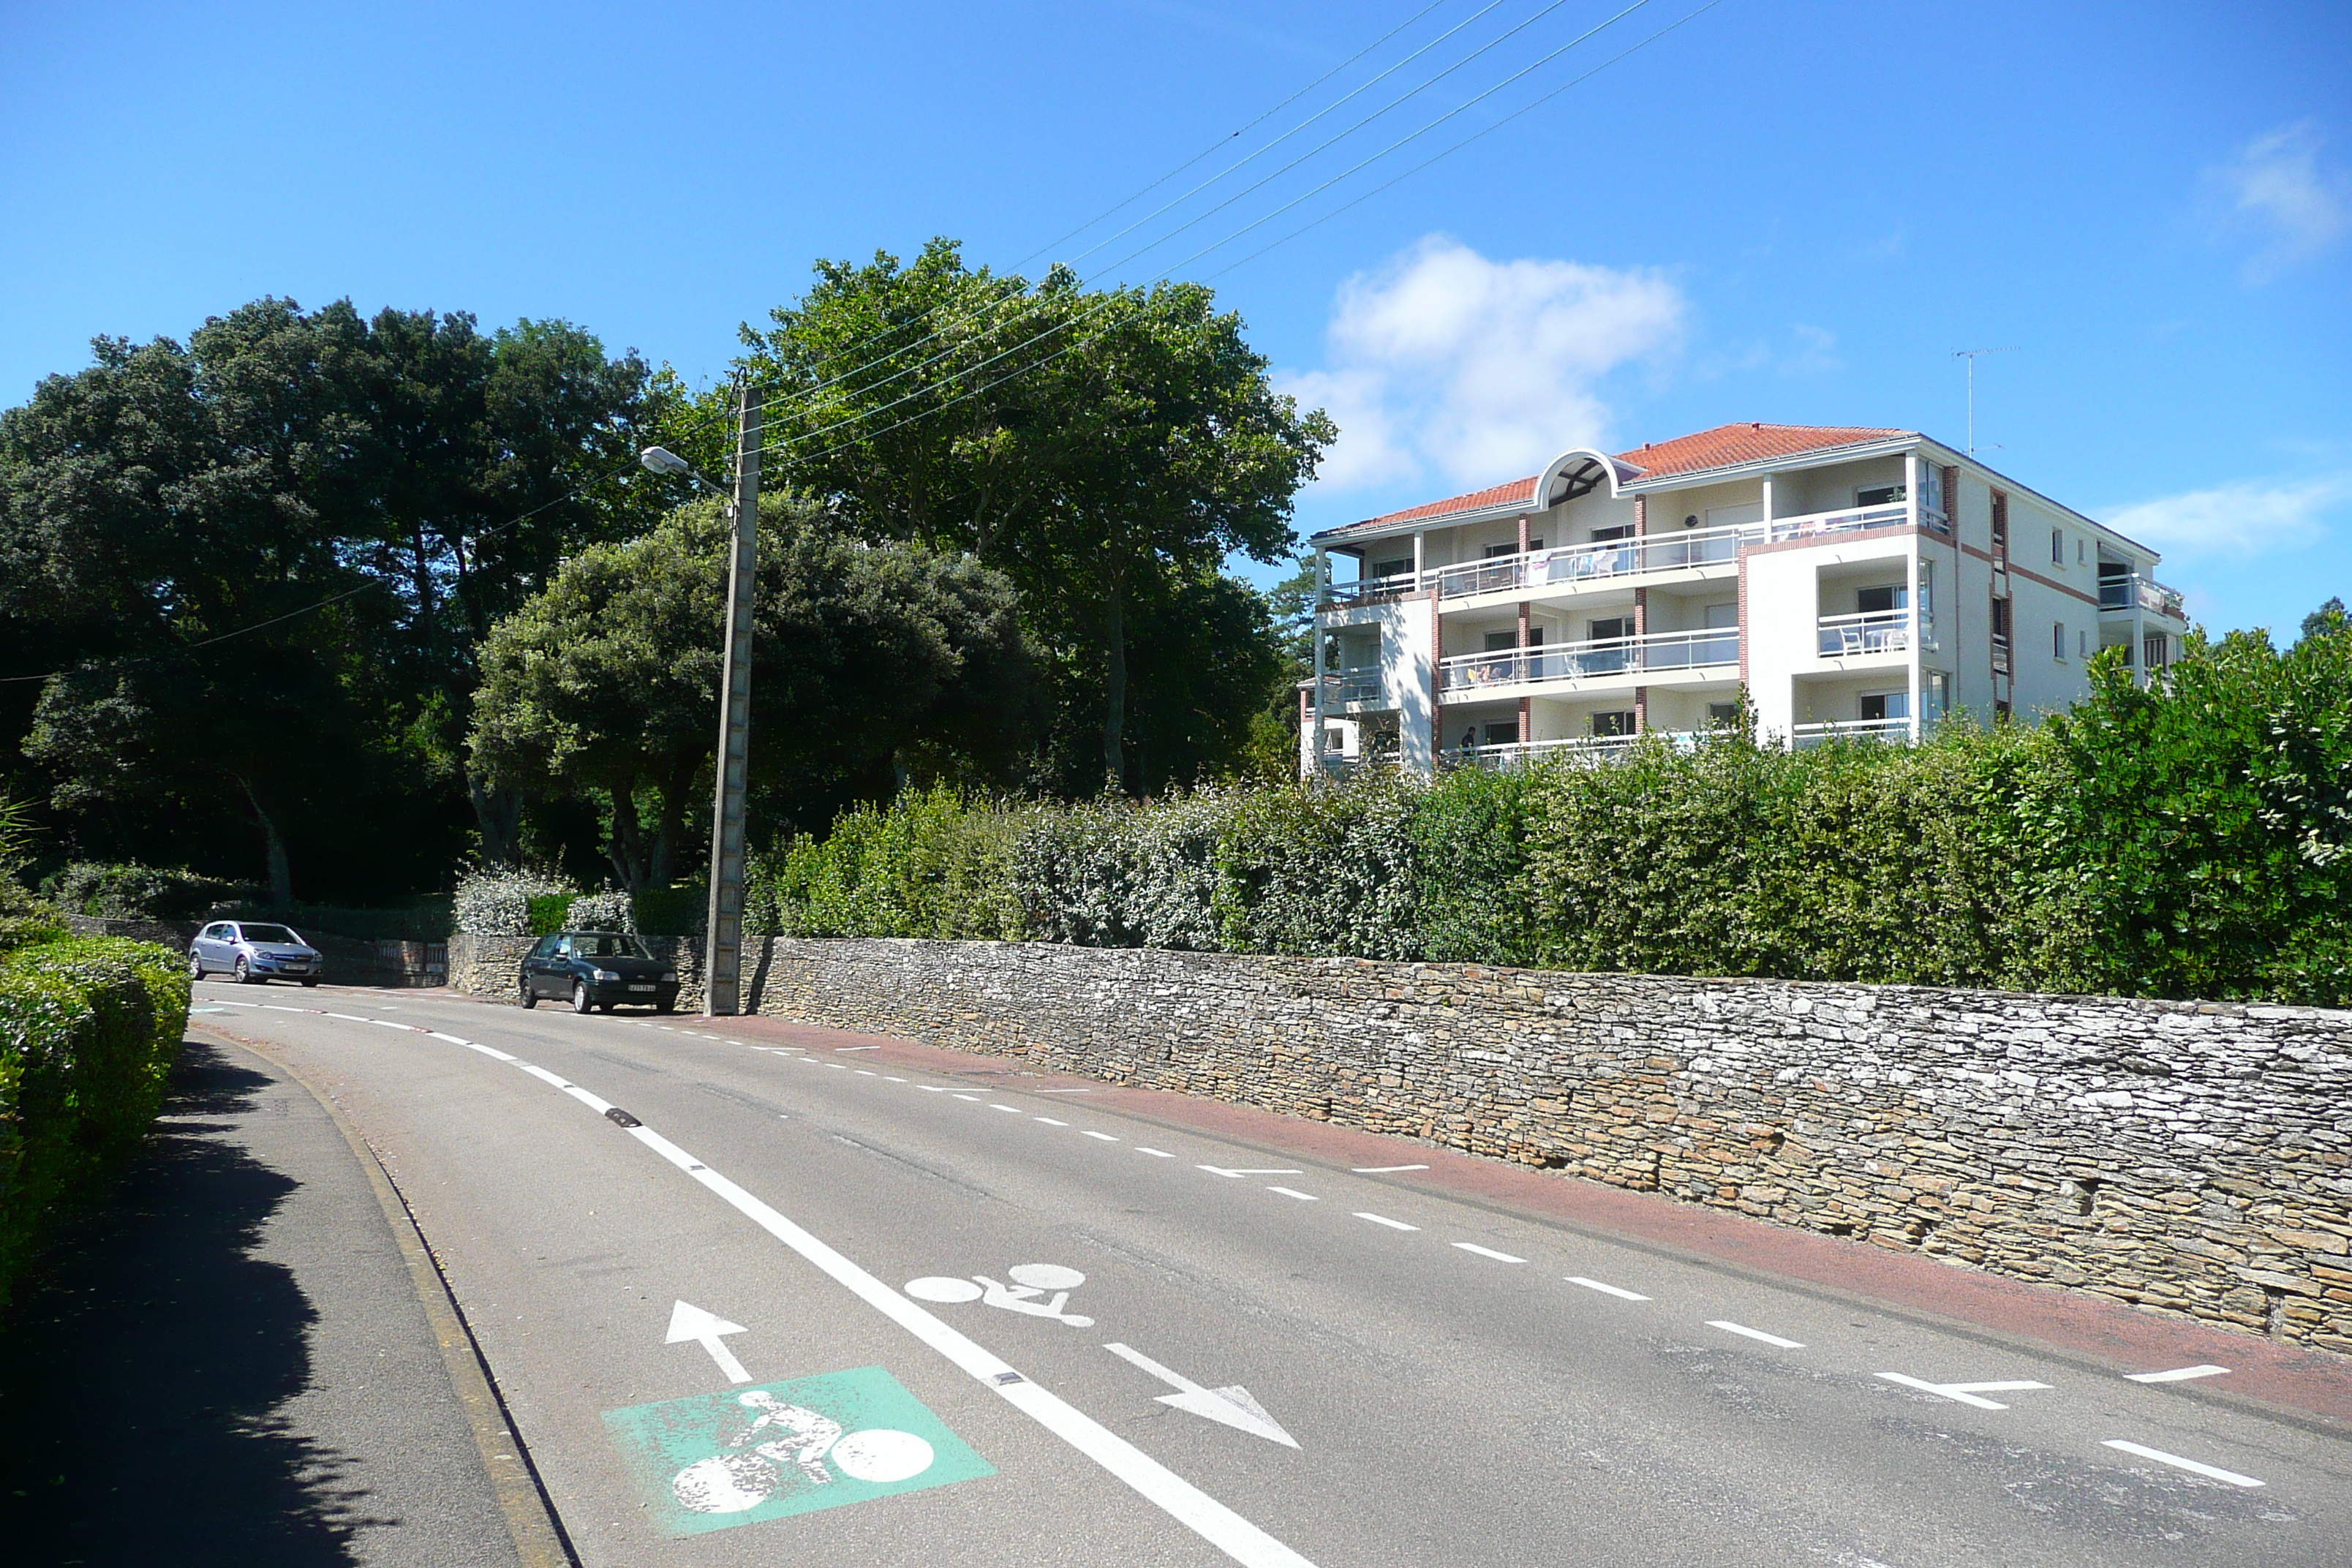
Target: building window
1999, 523
1878, 495
1881, 601
2082, 645
1722, 715
1612, 723
2058, 547
1878, 707
2058, 640
1502, 732
1396, 568
1603, 535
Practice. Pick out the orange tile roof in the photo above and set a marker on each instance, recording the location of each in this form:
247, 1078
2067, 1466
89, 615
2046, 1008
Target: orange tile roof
1723, 447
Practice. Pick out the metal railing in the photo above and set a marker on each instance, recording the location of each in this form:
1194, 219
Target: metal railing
1571, 565
1511, 754
1873, 631
1598, 659
1362, 685
2152, 596
1804, 736
2000, 653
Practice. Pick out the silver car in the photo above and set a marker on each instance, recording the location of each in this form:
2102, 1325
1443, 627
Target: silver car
256, 951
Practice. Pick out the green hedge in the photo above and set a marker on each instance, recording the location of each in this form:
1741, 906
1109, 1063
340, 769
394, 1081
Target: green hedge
89, 1031
2193, 840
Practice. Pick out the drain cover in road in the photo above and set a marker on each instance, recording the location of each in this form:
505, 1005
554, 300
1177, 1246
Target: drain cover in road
781, 1449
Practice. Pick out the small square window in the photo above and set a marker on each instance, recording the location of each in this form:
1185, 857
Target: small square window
2058, 547
2058, 640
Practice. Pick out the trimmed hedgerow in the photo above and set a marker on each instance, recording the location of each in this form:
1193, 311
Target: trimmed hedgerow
88, 1030
2190, 840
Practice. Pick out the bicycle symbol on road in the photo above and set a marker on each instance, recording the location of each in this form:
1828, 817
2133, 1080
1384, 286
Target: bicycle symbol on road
1030, 1283
800, 1439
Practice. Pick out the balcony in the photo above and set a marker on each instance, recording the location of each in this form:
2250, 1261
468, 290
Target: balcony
1513, 755
2152, 596
1601, 658
1875, 631
1572, 566
1359, 687
1805, 737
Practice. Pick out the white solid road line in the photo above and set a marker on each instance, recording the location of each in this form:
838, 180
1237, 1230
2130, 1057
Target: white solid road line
1049, 1121
2178, 1374
1965, 1393
1219, 1526
1220, 1171
1617, 1290
1730, 1328
1295, 1193
1377, 1170
1488, 1252
2211, 1472
1383, 1219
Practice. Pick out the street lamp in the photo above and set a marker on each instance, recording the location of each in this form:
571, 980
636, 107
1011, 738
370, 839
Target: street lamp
722, 960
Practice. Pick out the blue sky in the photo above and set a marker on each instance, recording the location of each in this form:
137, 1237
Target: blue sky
1791, 213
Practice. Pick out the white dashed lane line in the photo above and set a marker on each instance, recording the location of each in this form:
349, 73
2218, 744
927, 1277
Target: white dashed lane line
1617, 1290
1488, 1252
1383, 1219
1774, 1340
1295, 1193
2210, 1472
1104, 1136
1049, 1121
1155, 1153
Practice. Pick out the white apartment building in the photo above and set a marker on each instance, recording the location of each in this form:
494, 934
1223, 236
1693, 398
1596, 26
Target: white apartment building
1851, 581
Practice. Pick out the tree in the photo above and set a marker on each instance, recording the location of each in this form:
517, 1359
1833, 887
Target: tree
1106, 450
2323, 619
871, 664
172, 518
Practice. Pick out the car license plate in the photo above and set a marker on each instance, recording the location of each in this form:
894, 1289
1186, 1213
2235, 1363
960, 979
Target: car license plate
640, 987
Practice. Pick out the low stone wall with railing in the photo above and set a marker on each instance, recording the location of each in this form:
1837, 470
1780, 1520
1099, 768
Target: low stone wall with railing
2187, 1157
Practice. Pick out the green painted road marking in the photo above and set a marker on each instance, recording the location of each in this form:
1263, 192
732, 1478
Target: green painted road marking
783, 1448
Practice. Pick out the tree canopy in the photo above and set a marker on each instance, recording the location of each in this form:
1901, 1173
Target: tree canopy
872, 663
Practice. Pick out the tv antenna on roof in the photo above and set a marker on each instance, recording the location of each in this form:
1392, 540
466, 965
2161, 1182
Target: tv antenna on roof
1972, 355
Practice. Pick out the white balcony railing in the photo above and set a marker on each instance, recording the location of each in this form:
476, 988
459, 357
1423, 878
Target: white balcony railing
1804, 736
1571, 565
1873, 631
1514, 754
1599, 659
2152, 596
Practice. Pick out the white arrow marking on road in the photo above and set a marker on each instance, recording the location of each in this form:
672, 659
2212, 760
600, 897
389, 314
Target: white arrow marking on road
1965, 1393
688, 1321
1220, 1171
2178, 1374
1231, 1406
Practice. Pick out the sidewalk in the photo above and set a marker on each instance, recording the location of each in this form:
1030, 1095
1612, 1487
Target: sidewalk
229, 1362
2312, 1387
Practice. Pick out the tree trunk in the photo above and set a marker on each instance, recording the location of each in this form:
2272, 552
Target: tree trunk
628, 847
498, 817
281, 868
670, 831
1114, 683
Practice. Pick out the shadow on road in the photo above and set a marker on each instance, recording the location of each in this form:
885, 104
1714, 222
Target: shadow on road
144, 1368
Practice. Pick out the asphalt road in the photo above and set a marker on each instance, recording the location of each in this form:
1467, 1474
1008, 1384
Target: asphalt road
976, 1316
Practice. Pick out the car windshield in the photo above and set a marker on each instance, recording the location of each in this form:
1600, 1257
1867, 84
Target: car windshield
603, 944
279, 934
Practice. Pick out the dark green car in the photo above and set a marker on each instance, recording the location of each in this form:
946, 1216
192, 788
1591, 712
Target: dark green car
594, 969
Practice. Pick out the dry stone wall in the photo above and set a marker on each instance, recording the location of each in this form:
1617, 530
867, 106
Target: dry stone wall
2182, 1156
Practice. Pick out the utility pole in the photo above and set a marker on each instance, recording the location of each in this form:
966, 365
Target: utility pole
1972, 355
722, 965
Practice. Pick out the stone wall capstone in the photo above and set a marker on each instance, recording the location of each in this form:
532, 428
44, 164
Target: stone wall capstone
2188, 1157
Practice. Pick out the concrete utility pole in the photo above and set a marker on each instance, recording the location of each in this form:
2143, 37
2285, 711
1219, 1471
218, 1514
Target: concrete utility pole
722, 963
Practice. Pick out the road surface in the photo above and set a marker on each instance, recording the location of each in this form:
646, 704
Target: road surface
751, 1301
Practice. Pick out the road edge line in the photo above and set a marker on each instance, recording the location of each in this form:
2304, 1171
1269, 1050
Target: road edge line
539, 1538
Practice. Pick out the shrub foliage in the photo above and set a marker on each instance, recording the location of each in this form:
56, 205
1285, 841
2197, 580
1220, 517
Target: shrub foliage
2189, 840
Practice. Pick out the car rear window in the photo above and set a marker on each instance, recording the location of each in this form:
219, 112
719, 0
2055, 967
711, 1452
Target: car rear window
602, 945
271, 934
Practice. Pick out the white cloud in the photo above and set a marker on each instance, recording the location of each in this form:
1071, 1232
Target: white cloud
2244, 519
2278, 187
1480, 370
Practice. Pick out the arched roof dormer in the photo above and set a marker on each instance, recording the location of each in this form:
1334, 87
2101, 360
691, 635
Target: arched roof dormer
1579, 471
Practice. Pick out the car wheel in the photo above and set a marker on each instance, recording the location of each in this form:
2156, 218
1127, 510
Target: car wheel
309, 981
530, 998
195, 967
243, 970
664, 1006
579, 1002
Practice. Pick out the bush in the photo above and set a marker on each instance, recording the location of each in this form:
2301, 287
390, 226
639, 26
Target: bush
596, 912
549, 912
133, 892
680, 911
89, 1031
499, 903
